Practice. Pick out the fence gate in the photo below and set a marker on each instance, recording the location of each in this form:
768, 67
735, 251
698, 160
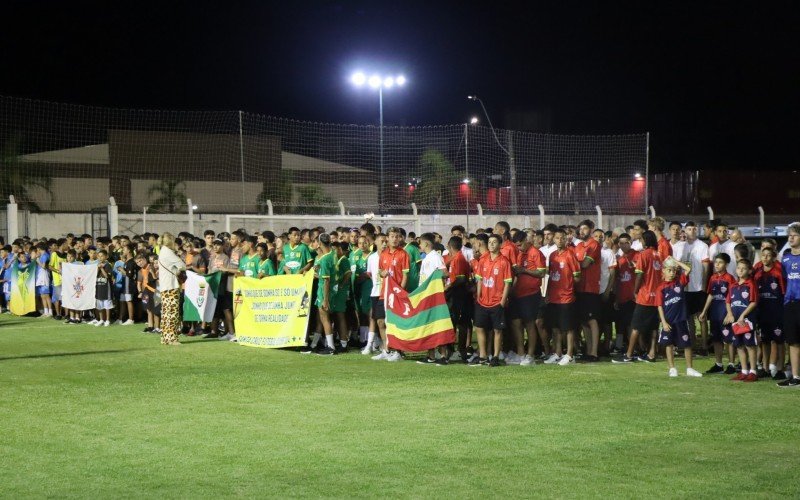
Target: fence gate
100, 222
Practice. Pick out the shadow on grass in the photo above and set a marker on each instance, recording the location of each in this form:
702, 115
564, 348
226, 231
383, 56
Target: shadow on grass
62, 354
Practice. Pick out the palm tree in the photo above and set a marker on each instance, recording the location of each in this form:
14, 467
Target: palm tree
170, 195
439, 180
17, 178
279, 191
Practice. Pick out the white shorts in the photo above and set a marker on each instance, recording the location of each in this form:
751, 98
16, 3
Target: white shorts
126, 297
105, 305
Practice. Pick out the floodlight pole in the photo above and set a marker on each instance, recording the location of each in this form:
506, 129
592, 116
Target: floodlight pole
512, 170
381, 200
466, 168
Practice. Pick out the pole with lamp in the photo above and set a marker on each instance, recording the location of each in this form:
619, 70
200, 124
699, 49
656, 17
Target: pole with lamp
512, 170
466, 181
379, 82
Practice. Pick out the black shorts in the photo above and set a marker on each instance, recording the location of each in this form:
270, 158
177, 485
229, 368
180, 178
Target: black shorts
678, 336
378, 311
624, 316
525, 308
562, 316
720, 333
461, 309
645, 319
588, 306
490, 318
695, 302
224, 302
791, 322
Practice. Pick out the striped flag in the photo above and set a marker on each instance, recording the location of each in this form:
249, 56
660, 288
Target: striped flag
200, 296
419, 320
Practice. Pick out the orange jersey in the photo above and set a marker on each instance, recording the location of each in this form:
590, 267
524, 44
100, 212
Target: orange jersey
532, 260
494, 275
564, 268
396, 262
648, 264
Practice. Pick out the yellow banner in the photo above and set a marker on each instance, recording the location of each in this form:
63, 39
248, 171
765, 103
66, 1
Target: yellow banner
273, 311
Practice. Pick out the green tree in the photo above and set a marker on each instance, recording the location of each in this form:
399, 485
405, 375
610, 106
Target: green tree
279, 190
439, 181
18, 178
312, 199
169, 195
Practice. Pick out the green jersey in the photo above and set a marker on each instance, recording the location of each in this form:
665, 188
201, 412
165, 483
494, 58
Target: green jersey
248, 264
414, 258
296, 258
266, 267
326, 270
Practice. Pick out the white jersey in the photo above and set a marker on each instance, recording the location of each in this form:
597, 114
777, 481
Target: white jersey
430, 263
467, 252
374, 272
726, 248
607, 261
637, 245
546, 251
696, 255
677, 249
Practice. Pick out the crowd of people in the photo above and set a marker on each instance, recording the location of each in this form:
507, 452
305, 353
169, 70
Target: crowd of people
555, 295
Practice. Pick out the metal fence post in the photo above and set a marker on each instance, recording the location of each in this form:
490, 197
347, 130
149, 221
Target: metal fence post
11, 220
113, 217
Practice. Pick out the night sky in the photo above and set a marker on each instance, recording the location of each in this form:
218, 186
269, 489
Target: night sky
716, 83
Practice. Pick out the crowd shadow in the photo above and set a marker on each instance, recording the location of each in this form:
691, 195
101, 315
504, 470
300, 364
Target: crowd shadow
64, 354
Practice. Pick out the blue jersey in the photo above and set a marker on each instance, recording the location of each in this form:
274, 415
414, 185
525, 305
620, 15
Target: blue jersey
741, 296
670, 296
718, 287
791, 276
770, 290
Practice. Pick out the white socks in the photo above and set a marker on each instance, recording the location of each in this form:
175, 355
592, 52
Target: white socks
329, 341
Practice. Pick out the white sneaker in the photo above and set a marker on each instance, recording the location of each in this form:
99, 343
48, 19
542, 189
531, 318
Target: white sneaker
456, 356
502, 356
127, 322
566, 360
513, 358
527, 361
691, 372
94, 322
227, 336
394, 356
106, 323
233, 338
118, 322
673, 372
553, 359
381, 356
367, 350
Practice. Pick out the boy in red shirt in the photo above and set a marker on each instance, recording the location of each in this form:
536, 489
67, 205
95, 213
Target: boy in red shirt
645, 315
624, 295
395, 262
457, 291
587, 252
527, 297
564, 274
493, 286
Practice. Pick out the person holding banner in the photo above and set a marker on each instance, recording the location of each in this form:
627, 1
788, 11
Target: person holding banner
325, 269
266, 266
169, 266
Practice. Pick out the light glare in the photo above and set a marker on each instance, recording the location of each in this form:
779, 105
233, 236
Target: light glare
474, 120
401, 80
388, 82
375, 81
358, 78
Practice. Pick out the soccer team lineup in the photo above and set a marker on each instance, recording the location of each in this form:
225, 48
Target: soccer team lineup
650, 292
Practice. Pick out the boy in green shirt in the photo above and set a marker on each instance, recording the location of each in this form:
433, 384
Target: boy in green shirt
265, 265
248, 262
297, 257
414, 258
325, 269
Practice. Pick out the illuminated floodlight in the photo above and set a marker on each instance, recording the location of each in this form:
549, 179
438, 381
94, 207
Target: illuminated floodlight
374, 81
388, 82
358, 78
465, 181
637, 175
400, 80
194, 207
474, 120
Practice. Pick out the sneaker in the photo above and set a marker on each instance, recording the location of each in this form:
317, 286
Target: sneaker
513, 358
106, 323
715, 369
730, 369
426, 361
209, 335
394, 356
566, 360
624, 359
381, 356
591, 359
644, 358
751, 377
673, 372
367, 350
553, 359
326, 351
227, 336
478, 361
495, 361
456, 357
779, 375
442, 362
128, 323
527, 361
790, 382
157, 330
118, 322
739, 377
309, 350
233, 338
68, 322
762, 373
94, 322
148, 329
472, 357
502, 356
691, 372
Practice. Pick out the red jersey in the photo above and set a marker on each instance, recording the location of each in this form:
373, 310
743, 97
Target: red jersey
475, 263
626, 272
564, 268
510, 251
396, 262
494, 275
590, 276
648, 264
770, 283
532, 260
760, 265
664, 248
459, 267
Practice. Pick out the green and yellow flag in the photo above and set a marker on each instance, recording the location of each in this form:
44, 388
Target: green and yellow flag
419, 320
23, 289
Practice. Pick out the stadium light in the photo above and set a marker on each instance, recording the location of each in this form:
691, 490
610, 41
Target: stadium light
474, 120
465, 181
379, 82
194, 207
637, 175
511, 167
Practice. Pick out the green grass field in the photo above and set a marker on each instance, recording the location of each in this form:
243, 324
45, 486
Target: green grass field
108, 412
